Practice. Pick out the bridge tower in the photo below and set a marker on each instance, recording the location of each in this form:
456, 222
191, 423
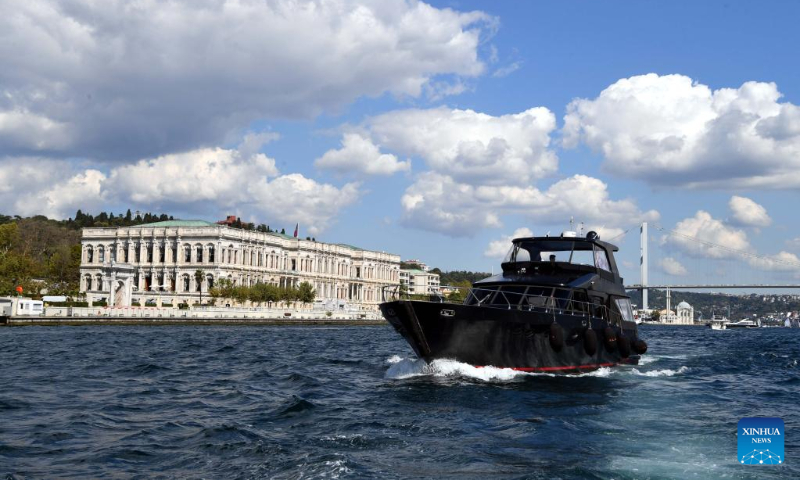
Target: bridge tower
643, 262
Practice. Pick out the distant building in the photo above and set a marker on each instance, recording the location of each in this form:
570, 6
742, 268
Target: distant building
155, 263
419, 282
684, 315
419, 264
230, 220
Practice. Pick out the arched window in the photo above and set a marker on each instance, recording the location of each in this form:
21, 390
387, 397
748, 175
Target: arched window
187, 254
186, 283
199, 251
98, 282
113, 253
88, 282
89, 254
199, 286
138, 250
162, 253
211, 254
210, 281
149, 253
101, 254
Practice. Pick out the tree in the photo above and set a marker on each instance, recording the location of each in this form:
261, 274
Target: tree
655, 316
306, 293
199, 275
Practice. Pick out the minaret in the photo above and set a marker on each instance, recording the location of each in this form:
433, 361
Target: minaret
643, 263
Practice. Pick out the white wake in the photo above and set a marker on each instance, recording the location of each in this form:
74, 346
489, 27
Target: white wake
402, 368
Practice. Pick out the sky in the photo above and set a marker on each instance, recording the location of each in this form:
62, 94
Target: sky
437, 131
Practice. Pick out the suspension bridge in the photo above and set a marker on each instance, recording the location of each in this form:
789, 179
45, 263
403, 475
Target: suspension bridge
711, 260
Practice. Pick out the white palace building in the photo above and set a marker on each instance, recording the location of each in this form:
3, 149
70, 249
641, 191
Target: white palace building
155, 264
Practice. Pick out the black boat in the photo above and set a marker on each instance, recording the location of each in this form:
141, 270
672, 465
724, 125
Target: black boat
559, 305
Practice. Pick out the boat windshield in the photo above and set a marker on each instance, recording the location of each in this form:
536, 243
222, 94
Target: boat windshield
575, 253
624, 305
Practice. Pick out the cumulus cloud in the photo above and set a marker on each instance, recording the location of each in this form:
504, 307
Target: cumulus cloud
438, 203
498, 248
748, 213
131, 80
210, 181
781, 261
38, 186
470, 146
671, 130
705, 236
670, 266
359, 155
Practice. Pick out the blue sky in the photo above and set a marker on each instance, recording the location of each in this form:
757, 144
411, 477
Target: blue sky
153, 114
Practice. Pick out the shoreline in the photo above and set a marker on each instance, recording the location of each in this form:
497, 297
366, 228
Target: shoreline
135, 321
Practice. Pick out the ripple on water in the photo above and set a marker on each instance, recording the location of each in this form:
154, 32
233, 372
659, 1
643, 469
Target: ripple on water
297, 402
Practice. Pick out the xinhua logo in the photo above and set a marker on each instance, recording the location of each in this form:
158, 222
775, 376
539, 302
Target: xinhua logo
760, 441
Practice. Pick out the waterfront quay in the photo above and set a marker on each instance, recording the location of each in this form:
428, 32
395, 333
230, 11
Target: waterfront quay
53, 316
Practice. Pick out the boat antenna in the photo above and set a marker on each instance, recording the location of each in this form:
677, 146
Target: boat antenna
581, 234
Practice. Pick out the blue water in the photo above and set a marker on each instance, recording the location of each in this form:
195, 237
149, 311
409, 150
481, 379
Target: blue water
314, 402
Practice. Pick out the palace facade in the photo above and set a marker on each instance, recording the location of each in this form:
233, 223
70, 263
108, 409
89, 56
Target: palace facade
157, 264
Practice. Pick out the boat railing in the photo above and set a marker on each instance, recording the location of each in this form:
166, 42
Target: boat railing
549, 300
556, 301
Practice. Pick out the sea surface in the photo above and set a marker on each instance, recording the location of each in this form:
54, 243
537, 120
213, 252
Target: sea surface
351, 402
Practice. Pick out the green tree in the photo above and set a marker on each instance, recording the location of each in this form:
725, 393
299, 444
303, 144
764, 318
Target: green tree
306, 293
199, 275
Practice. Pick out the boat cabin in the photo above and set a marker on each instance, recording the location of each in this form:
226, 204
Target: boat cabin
567, 274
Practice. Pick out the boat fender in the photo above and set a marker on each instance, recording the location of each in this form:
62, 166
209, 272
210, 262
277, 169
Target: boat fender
610, 339
624, 345
640, 346
590, 342
556, 337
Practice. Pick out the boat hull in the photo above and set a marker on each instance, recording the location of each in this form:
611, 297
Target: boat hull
517, 339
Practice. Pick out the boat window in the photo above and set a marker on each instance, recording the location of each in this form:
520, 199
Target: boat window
561, 297
538, 296
517, 254
480, 295
514, 293
582, 257
576, 253
502, 298
624, 306
601, 260
580, 302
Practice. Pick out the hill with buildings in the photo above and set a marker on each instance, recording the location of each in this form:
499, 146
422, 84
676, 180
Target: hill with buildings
740, 305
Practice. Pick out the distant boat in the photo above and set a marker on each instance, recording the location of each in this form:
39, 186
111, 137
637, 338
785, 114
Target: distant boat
717, 322
744, 324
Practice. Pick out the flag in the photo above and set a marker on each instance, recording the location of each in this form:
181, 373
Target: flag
295, 230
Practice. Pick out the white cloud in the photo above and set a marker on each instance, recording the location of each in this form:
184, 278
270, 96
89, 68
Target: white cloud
36, 186
498, 248
507, 70
746, 212
470, 146
781, 261
131, 80
670, 266
716, 239
359, 155
211, 181
438, 203
671, 130
211, 174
